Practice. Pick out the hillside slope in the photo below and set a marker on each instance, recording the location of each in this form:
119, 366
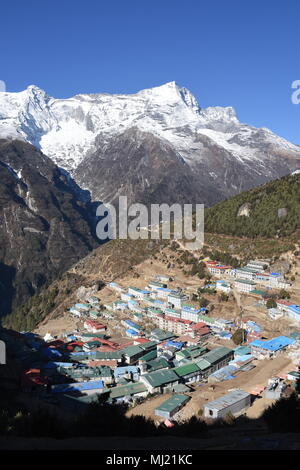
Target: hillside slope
270, 210
46, 222
119, 258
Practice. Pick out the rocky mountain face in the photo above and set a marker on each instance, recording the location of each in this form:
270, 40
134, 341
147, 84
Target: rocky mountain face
46, 222
145, 168
155, 145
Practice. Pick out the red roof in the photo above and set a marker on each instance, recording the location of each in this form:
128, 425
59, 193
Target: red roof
33, 377
141, 341
71, 346
56, 343
105, 349
199, 325
108, 362
284, 302
203, 331
95, 324
105, 342
188, 339
169, 424
178, 320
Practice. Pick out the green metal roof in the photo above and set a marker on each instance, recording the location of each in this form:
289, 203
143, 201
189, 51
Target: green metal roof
149, 356
162, 334
183, 354
107, 355
172, 403
244, 281
258, 292
132, 351
203, 364
148, 345
215, 355
161, 377
93, 335
196, 351
206, 319
181, 388
124, 390
186, 369
159, 363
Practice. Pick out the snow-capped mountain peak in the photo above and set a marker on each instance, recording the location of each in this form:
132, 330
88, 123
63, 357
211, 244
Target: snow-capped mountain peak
70, 130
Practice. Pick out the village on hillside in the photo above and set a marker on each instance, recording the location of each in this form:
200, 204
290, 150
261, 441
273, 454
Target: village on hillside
159, 346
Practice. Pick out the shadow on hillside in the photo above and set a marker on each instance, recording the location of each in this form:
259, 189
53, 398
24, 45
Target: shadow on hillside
7, 290
30, 409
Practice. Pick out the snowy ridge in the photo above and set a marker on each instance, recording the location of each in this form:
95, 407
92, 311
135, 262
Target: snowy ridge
66, 129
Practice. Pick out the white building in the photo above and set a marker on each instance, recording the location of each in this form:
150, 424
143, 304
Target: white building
278, 283
257, 265
234, 402
245, 273
218, 270
293, 312
283, 305
190, 315
242, 285
139, 293
275, 313
223, 286
176, 300
126, 296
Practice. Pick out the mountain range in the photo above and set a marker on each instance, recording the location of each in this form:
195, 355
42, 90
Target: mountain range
157, 145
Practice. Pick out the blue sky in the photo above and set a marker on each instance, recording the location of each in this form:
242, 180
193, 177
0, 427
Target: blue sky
227, 53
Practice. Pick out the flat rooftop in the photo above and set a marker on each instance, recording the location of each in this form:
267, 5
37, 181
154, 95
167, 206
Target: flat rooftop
227, 400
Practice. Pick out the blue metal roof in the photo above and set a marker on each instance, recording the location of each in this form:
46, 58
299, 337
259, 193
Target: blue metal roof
132, 332
164, 289
126, 369
254, 326
54, 365
176, 344
132, 324
51, 352
186, 308
78, 387
84, 353
273, 344
294, 308
225, 373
